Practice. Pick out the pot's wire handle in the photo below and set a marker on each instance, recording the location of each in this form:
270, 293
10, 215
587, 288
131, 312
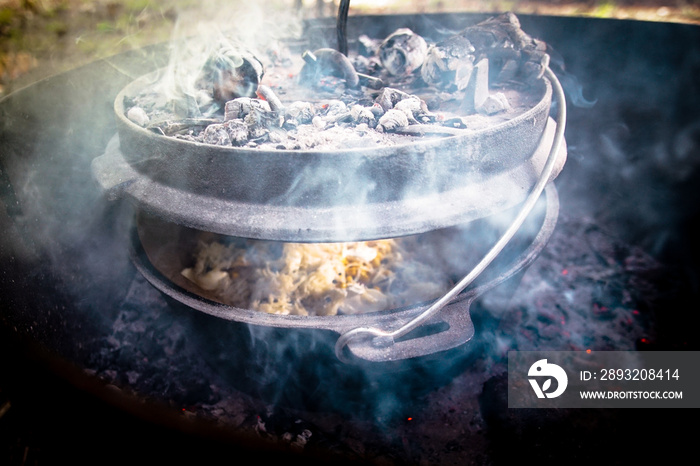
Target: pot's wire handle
385, 338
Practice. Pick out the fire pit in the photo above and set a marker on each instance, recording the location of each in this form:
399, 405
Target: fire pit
86, 336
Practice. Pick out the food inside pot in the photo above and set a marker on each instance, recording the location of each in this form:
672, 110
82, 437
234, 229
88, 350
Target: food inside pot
320, 278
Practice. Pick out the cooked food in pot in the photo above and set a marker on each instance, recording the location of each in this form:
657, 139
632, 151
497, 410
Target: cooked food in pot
319, 278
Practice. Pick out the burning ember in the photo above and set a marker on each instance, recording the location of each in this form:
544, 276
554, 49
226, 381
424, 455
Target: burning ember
386, 94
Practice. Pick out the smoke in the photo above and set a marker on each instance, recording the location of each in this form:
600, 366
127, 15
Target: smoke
633, 148
571, 84
221, 31
574, 90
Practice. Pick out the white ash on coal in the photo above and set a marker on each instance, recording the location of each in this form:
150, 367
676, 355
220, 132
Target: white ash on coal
513, 53
402, 52
484, 75
231, 74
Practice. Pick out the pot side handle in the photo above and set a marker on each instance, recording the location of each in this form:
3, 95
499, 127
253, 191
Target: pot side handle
452, 327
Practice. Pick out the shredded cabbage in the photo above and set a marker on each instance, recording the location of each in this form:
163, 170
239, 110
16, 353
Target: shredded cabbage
318, 278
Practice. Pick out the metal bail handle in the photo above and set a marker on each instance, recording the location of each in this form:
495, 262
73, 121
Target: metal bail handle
452, 327
388, 338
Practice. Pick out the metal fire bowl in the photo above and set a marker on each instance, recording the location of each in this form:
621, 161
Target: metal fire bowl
156, 251
324, 196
